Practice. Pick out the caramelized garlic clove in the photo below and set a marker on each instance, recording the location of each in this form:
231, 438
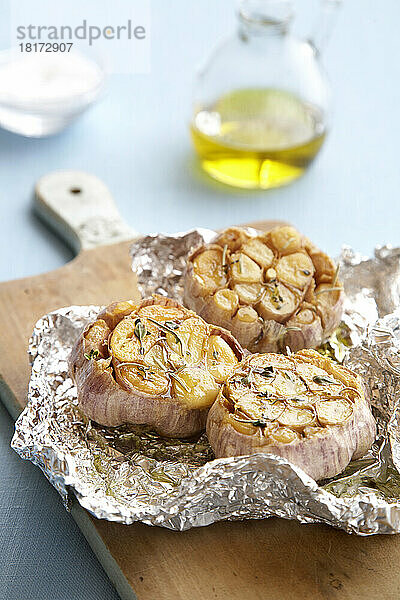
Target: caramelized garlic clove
244, 269
259, 252
306, 316
247, 404
220, 308
209, 270
241, 427
325, 267
278, 303
257, 408
334, 412
270, 275
194, 387
276, 361
272, 410
286, 239
284, 435
116, 311
161, 313
288, 386
160, 359
246, 325
233, 238
303, 330
125, 344
248, 293
246, 315
225, 302
221, 359
295, 270
297, 417
192, 334
144, 380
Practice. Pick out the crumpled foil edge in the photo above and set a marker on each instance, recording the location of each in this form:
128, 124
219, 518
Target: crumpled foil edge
172, 493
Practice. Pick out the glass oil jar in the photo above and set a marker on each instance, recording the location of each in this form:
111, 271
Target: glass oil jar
261, 106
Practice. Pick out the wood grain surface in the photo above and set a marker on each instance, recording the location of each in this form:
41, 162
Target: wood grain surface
271, 559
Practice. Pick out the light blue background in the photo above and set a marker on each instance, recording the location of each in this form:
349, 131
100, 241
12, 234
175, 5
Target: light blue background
137, 141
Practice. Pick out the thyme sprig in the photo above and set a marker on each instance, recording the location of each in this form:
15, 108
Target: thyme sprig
321, 380
255, 422
329, 289
265, 395
335, 278
164, 327
179, 381
224, 261
92, 355
240, 263
172, 324
276, 297
143, 369
140, 333
264, 371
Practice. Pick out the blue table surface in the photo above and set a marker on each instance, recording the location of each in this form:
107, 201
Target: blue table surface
136, 139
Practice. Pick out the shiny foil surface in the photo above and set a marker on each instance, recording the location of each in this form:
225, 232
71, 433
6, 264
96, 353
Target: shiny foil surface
128, 474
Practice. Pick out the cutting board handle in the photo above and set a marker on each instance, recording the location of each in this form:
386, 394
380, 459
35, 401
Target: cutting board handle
80, 208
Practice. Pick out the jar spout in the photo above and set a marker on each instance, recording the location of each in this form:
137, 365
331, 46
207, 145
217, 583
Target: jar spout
324, 25
265, 16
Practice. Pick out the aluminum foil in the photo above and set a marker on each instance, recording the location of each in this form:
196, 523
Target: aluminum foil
125, 474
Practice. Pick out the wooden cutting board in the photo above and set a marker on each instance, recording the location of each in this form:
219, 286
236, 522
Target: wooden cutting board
271, 559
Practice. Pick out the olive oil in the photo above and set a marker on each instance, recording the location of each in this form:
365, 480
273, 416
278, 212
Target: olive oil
257, 138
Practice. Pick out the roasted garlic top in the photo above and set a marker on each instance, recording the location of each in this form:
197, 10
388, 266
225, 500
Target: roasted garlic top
160, 358
287, 398
271, 290
303, 407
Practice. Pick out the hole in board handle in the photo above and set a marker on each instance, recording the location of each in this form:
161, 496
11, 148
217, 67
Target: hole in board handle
75, 190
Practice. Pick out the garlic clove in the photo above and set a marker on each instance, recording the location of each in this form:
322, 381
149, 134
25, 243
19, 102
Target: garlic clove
277, 303
295, 270
334, 412
208, 269
248, 293
286, 239
244, 269
259, 252
194, 387
297, 417
220, 359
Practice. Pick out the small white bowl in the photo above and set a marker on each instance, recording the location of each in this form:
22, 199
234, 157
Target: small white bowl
42, 93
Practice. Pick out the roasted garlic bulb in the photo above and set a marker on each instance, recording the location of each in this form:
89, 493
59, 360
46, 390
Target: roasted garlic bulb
303, 407
157, 364
271, 290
